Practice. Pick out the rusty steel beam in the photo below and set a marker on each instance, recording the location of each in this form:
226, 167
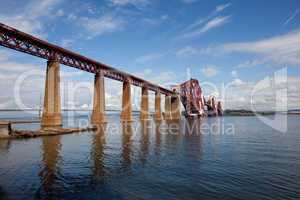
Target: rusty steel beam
23, 42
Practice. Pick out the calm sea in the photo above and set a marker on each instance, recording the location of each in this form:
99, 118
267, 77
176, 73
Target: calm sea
215, 158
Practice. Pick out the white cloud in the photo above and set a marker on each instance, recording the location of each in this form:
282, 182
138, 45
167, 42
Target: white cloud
66, 43
237, 82
100, 26
292, 17
38, 8
240, 94
214, 23
30, 19
201, 21
165, 78
186, 52
148, 58
234, 73
209, 25
72, 17
33, 85
188, 1
154, 21
147, 71
284, 49
165, 17
252, 63
3, 56
222, 7
136, 3
209, 71
189, 51
60, 13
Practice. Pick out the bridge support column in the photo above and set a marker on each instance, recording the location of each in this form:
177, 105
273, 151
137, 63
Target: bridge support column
126, 114
175, 107
52, 106
98, 115
145, 104
157, 106
168, 108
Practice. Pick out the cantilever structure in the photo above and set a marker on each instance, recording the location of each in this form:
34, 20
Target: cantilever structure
23, 42
20, 41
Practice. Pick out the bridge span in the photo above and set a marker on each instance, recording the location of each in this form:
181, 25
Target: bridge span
55, 55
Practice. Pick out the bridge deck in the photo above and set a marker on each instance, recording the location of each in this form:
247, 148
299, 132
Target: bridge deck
23, 42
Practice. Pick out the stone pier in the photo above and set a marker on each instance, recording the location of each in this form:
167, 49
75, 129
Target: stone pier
98, 115
52, 106
126, 114
167, 115
158, 116
175, 107
145, 104
5, 129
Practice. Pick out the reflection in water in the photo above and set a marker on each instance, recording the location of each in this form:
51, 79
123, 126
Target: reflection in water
193, 138
158, 133
173, 133
2, 192
97, 152
51, 148
4, 145
126, 144
215, 126
145, 127
178, 166
192, 126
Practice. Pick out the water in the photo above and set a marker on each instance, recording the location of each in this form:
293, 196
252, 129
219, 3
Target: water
252, 162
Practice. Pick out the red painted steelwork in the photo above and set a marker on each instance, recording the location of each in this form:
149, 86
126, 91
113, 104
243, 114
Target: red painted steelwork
193, 100
192, 97
20, 41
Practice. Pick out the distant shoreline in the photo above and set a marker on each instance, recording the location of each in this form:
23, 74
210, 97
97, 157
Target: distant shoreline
228, 112
242, 112
15, 110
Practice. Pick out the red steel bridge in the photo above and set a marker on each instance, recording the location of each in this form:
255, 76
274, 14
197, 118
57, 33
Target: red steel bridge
190, 93
20, 41
193, 100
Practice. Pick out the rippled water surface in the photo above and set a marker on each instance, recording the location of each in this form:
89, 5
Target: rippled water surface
249, 161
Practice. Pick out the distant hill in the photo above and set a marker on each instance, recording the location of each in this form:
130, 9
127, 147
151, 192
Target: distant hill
243, 112
294, 111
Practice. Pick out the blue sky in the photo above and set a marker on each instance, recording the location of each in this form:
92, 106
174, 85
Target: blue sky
220, 42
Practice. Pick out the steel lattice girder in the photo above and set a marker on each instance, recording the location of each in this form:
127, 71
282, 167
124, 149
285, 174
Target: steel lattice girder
23, 42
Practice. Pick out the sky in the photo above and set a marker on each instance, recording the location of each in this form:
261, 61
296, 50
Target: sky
236, 45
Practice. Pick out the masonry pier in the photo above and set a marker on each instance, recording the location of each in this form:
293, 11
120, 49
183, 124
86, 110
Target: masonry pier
52, 106
98, 114
126, 113
52, 116
175, 107
145, 104
167, 115
157, 115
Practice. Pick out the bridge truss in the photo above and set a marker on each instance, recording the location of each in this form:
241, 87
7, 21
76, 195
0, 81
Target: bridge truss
23, 42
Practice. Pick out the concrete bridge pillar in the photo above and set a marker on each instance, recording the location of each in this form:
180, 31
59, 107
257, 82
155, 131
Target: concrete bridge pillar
98, 115
126, 114
145, 104
175, 107
157, 106
52, 106
168, 108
